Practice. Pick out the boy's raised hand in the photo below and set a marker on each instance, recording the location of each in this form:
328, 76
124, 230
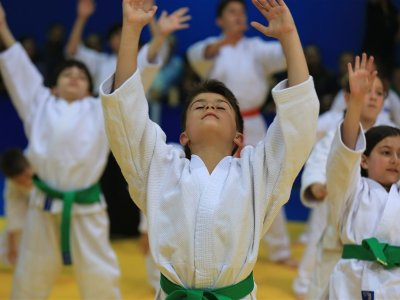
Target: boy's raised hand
280, 20
177, 20
361, 77
138, 12
86, 8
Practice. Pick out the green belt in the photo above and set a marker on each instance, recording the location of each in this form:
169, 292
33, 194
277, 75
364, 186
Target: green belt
372, 250
86, 196
235, 291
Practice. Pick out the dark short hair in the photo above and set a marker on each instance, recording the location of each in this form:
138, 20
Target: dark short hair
224, 3
13, 162
69, 64
373, 136
216, 87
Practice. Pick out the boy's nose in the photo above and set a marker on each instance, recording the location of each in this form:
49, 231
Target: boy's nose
210, 106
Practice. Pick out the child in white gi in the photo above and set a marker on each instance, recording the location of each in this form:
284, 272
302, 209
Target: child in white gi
244, 64
68, 150
207, 210
17, 188
362, 176
323, 248
102, 65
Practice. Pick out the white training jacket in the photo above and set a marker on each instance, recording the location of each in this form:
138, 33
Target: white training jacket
204, 229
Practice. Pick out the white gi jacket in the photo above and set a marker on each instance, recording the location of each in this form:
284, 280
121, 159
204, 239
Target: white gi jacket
68, 147
204, 229
362, 209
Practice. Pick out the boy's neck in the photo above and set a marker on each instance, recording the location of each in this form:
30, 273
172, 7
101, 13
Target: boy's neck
211, 156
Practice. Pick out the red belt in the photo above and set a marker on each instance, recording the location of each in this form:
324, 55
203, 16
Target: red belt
250, 113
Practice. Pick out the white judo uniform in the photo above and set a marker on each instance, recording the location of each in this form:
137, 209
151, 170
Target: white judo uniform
68, 150
244, 68
205, 229
323, 248
361, 208
16, 199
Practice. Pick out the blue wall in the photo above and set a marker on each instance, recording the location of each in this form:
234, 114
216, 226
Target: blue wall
335, 26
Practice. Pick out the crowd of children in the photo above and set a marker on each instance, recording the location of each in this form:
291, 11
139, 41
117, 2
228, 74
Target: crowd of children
208, 204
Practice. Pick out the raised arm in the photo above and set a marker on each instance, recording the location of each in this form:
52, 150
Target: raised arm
282, 27
361, 79
23, 81
135, 16
166, 25
6, 36
85, 9
343, 168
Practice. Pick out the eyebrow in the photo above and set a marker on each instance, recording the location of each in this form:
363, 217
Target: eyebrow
204, 100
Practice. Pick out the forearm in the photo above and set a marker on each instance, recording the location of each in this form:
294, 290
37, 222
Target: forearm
296, 63
75, 37
127, 55
351, 125
6, 36
154, 47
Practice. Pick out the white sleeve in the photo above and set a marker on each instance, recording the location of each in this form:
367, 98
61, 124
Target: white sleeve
197, 61
343, 173
315, 169
288, 142
16, 206
23, 81
133, 137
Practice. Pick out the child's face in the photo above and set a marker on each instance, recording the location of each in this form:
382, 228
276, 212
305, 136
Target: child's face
383, 163
210, 114
373, 102
233, 18
24, 179
72, 84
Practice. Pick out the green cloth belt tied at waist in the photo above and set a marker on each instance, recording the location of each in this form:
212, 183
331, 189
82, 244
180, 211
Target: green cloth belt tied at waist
89, 195
235, 291
372, 250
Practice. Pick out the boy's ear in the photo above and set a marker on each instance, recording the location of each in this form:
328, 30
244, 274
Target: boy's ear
183, 139
238, 140
364, 162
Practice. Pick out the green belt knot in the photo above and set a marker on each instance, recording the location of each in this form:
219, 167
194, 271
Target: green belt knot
89, 195
372, 250
235, 291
